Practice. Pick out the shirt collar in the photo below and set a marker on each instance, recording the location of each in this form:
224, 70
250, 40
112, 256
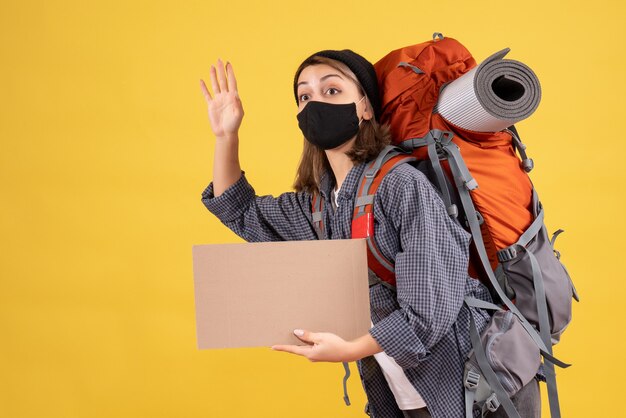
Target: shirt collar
348, 188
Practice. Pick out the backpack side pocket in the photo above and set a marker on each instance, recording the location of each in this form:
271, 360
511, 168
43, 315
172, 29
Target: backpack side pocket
534, 273
505, 360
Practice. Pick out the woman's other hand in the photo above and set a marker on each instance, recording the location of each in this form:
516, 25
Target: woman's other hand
322, 346
225, 109
325, 346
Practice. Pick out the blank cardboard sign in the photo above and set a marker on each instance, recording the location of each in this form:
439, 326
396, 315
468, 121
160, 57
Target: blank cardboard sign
256, 294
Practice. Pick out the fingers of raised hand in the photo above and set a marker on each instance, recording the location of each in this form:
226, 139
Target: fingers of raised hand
222, 79
214, 85
205, 91
232, 81
221, 76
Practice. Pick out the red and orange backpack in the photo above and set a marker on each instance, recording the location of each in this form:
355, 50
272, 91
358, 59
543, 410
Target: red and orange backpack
485, 187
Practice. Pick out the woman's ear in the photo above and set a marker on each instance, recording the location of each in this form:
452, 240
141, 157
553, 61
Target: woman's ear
368, 113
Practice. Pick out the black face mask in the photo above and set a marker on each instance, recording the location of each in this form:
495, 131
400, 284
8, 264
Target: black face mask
328, 125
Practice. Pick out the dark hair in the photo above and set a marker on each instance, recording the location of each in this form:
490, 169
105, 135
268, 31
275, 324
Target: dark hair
370, 140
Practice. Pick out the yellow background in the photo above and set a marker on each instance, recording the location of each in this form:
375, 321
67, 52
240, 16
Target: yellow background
106, 147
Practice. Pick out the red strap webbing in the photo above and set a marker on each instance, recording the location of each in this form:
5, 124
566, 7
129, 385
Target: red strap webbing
363, 223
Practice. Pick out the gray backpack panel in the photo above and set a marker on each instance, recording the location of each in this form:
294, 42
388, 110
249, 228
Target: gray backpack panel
517, 261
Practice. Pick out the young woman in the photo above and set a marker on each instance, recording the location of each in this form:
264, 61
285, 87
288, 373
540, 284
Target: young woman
411, 361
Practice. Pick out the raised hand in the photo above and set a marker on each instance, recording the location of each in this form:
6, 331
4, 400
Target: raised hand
225, 109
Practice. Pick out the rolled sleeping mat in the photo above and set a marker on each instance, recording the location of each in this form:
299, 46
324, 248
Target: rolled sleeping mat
492, 96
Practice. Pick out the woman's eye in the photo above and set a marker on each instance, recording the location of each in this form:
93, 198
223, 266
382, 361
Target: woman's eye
332, 91
304, 97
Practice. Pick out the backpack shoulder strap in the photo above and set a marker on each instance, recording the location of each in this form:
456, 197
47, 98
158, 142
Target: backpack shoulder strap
363, 216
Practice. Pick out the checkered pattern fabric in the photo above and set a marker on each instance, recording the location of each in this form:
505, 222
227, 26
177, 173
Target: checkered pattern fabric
424, 324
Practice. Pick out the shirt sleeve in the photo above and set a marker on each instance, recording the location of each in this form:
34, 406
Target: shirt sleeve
261, 218
431, 272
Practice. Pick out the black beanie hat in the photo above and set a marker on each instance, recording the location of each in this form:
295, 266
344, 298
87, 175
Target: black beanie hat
362, 69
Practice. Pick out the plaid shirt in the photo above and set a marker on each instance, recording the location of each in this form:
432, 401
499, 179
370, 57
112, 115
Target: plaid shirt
424, 324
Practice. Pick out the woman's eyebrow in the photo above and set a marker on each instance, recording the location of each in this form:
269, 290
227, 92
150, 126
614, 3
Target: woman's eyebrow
321, 79
330, 75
